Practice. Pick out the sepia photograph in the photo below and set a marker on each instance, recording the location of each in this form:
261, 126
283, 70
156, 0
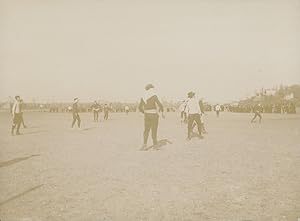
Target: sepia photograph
161, 110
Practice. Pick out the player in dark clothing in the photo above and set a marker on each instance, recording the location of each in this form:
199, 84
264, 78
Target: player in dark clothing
257, 113
96, 109
148, 106
106, 110
75, 112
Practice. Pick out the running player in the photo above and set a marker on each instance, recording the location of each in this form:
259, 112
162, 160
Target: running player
257, 113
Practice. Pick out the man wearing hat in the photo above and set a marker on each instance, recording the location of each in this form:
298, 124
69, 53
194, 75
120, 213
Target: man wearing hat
75, 112
194, 115
150, 106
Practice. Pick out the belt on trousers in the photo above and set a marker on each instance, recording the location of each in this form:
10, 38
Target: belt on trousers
152, 111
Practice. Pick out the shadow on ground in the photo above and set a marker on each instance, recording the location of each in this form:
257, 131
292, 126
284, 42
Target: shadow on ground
21, 194
159, 144
16, 160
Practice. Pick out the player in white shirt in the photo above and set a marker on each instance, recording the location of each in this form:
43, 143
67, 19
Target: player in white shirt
218, 109
194, 115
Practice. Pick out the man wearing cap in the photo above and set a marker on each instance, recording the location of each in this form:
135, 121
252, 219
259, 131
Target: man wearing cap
150, 106
75, 112
194, 114
16, 115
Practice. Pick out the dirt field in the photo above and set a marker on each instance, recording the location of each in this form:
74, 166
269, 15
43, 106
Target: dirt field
240, 171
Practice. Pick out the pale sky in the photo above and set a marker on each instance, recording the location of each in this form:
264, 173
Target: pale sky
54, 50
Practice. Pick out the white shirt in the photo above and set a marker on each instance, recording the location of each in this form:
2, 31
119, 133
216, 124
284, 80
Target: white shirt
218, 108
16, 108
193, 107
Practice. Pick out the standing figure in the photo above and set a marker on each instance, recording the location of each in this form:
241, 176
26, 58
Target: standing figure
22, 117
194, 115
218, 109
96, 109
126, 109
182, 109
75, 112
16, 116
201, 105
106, 111
150, 106
257, 112
11, 104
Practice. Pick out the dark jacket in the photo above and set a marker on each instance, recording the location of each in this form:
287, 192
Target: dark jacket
75, 108
150, 104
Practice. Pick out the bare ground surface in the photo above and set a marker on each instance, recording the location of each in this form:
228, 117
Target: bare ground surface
240, 171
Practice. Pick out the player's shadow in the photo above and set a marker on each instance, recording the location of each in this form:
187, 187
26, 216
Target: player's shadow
16, 160
21, 194
194, 134
159, 144
34, 132
89, 128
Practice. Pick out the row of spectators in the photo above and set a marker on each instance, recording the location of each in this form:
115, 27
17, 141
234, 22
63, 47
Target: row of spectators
288, 107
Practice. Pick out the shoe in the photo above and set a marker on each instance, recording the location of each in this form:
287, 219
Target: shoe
200, 137
144, 147
18, 133
188, 138
25, 126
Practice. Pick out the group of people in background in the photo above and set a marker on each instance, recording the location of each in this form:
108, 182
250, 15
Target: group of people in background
192, 113
95, 109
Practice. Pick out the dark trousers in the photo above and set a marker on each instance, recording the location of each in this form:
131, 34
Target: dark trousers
151, 123
191, 119
218, 113
257, 114
16, 122
96, 115
76, 117
105, 115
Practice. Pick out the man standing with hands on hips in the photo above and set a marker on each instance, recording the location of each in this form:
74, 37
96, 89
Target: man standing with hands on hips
150, 106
